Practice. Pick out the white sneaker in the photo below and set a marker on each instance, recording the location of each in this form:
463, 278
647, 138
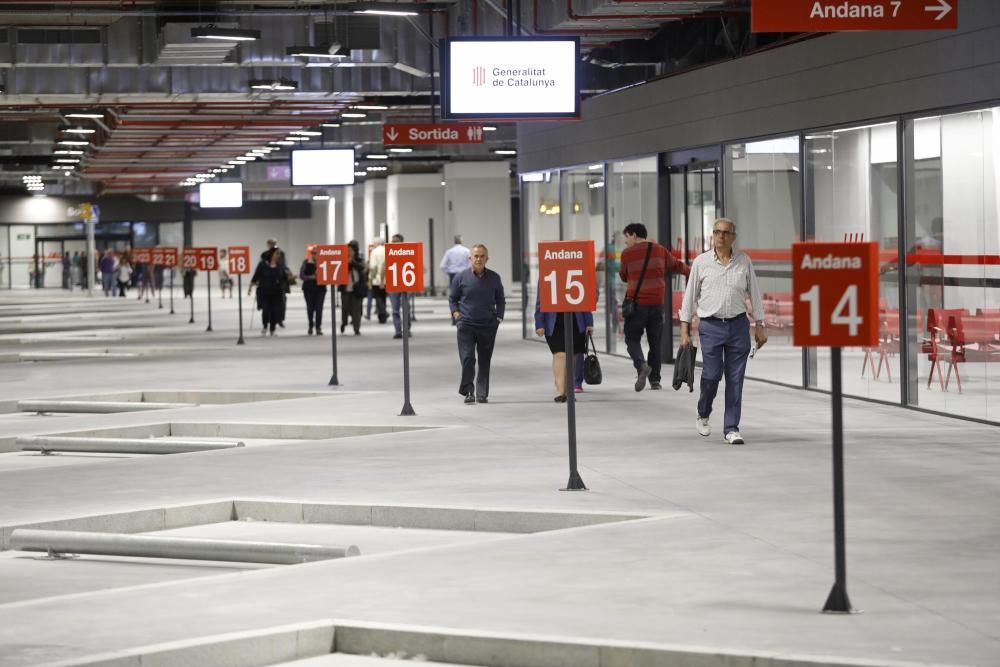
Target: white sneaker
734, 438
701, 423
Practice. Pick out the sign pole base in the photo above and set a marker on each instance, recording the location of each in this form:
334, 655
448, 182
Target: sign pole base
838, 602
575, 483
407, 410
208, 274
239, 305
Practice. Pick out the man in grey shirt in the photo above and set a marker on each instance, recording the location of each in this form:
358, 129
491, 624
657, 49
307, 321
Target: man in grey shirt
477, 306
716, 291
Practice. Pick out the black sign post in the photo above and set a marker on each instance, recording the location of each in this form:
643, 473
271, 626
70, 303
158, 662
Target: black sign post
239, 304
333, 333
159, 286
191, 321
171, 290
407, 408
208, 274
838, 602
575, 482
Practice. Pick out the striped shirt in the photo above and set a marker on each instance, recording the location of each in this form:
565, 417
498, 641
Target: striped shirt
654, 287
720, 291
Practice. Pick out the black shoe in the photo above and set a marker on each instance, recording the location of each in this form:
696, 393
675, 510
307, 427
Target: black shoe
640, 380
319, 332
482, 399
561, 398
342, 327
470, 399
655, 386
399, 335
310, 331
357, 333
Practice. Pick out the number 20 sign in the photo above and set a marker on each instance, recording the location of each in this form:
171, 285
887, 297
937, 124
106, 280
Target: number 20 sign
568, 276
835, 294
331, 264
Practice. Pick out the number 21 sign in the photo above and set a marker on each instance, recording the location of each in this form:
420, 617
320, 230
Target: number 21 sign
331, 264
568, 276
835, 294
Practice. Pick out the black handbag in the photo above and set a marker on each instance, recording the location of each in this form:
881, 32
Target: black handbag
592, 365
628, 304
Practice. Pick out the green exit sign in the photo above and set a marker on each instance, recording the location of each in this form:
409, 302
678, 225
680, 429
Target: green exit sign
24, 237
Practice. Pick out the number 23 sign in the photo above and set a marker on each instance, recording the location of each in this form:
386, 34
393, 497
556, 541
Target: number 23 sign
835, 294
331, 264
568, 276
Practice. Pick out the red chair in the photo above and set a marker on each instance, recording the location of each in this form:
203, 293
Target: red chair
937, 322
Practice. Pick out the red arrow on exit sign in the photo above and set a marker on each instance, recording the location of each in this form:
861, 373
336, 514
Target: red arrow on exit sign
845, 15
394, 134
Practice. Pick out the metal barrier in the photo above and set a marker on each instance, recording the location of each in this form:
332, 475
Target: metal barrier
63, 542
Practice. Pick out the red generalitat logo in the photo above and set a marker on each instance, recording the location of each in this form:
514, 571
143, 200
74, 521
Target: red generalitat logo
479, 76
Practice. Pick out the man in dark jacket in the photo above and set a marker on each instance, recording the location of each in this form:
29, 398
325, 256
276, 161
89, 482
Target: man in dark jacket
477, 306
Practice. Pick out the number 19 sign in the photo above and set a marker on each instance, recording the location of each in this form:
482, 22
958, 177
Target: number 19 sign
568, 276
404, 267
835, 293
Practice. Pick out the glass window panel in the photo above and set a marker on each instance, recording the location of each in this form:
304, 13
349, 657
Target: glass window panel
852, 177
583, 219
632, 197
764, 199
22, 248
952, 288
540, 197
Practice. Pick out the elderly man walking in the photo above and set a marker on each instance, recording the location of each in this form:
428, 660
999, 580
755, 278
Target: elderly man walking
477, 305
717, 288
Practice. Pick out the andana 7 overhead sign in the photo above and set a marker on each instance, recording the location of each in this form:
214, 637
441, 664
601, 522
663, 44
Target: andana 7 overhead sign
849, 15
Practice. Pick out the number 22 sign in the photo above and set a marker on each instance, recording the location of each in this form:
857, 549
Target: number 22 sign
331, 264
835, 294
568, 276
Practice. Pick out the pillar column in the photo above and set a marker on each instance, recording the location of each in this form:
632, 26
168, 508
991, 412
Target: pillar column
412, 200
477, 206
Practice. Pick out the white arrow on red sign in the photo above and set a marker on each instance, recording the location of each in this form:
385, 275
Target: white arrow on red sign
392, 134
942, 7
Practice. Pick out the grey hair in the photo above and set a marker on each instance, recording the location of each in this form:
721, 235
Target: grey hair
458, 238
732, 225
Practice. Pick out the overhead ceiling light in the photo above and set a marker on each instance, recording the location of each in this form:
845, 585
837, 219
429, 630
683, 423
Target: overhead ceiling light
489, 128
225, 34
376, 156
595, 167
307, 133
360, 173
353, 115
78, 130
285, 143
71, 142
331, 124
67, 152
382, 9
332, 51
504, 151
68, 160
85, 115
400, 150
273, 84
321, 197
370, 107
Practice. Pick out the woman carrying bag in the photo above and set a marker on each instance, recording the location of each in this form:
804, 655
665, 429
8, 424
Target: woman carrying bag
353, 293
551, 325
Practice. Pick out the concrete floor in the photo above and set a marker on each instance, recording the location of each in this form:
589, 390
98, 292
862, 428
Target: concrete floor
736, 557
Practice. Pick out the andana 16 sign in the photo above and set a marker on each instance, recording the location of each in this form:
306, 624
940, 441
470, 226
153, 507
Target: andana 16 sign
835, 294
404, 267
568, 277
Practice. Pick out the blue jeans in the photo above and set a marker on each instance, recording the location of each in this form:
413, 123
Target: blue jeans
725, 347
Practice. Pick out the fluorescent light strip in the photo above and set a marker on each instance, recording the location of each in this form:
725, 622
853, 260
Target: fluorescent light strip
85, 115
377, 157
307, 133
386, 12
353, 115
70, 142
79, 130
370, 107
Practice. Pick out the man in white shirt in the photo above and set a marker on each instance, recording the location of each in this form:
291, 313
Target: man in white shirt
456, 259
716, 291
376, 278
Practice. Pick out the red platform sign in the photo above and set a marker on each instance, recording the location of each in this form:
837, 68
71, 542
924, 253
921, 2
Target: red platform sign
845, 15
404, 267
440, 133
331, 264
189, 260
239, 259
165, 257
568, 276
203, 259
142, 255
835, 294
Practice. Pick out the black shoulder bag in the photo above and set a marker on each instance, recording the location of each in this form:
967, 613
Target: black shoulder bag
628, 304
591, 365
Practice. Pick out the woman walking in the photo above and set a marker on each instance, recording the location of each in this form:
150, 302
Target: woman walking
353, 293
314, 293
270, 281
551, 325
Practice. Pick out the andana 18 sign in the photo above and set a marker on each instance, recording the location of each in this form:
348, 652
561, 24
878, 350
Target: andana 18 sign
835, 294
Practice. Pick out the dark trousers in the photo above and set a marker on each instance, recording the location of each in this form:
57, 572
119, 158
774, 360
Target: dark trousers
351, 306
648, 320
379, 295
475, 341
271, 307
315, 296
725, 347
396, 299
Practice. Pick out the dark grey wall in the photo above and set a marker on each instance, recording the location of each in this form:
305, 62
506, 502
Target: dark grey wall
830, 80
